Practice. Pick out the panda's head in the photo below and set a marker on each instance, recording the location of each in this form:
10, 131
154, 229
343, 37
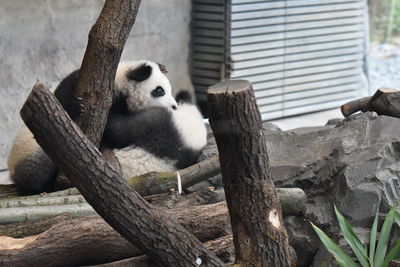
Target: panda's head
143, 84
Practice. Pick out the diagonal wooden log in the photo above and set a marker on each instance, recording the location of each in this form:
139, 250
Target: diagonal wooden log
259, 233
159, 236
91, 240
385, 101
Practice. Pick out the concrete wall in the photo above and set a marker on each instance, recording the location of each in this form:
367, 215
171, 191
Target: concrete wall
46, 39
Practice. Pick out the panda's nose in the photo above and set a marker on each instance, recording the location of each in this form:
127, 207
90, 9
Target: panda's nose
174, 107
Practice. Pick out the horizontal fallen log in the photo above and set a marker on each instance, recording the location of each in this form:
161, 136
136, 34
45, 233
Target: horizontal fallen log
29, 228
293, 200
33, 213
154, 182
222, 247
39, 207
23, 213
92, 241
159, 182
41, 200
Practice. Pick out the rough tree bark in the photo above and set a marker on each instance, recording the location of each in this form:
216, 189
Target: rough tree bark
29, 228
106, 42
91, 240
159, 236
259, 234
222, 247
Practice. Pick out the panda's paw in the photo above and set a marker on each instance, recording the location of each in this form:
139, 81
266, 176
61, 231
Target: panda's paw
78, 108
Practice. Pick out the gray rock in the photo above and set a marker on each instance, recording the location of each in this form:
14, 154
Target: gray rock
334, 121
269, 126
356, 164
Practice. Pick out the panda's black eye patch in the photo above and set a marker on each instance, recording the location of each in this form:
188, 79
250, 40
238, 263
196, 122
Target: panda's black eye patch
159, 91
141, 73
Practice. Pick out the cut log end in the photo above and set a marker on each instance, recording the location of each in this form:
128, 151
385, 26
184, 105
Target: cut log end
230, 86
37, 89
9, 243
387, 90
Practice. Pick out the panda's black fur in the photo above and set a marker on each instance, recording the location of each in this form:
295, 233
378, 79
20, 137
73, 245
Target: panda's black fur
144, 118
157, 134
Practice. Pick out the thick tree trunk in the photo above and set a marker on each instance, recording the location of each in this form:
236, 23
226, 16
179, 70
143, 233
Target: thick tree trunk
106, 42
158, 235
259, 234
91, 240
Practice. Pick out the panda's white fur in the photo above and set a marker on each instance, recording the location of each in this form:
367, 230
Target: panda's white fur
189, 123
134, 160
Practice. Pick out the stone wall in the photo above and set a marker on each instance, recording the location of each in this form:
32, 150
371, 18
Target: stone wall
46, 39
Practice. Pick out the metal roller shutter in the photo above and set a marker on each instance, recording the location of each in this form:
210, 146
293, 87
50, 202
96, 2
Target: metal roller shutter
300, 55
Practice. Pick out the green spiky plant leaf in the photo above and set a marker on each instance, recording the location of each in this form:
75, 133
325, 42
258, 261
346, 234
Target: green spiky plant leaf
340, 256
394, 254
383, 241
377, 251
397, 217
372, 239
352, 239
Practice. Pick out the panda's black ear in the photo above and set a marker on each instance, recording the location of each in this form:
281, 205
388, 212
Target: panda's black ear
163, 68
183, 97
141, 73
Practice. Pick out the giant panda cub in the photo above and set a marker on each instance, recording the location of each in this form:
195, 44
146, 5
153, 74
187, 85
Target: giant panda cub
146, 127
157, 138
